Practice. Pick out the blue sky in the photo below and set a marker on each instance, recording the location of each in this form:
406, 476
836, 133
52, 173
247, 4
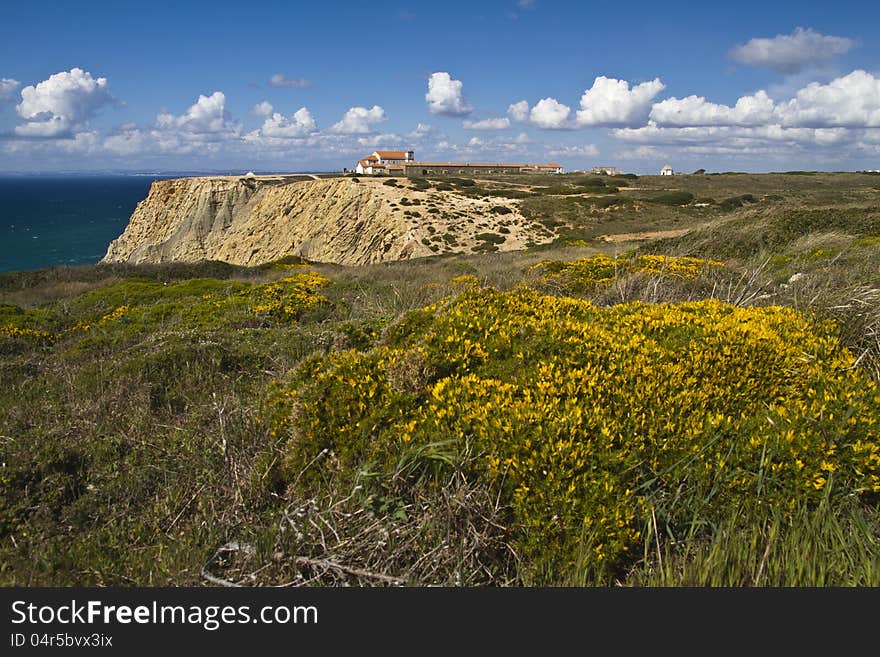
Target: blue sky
746, 86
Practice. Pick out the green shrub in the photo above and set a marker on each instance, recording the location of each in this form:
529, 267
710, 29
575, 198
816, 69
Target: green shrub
673, 198
491, 238
737, 202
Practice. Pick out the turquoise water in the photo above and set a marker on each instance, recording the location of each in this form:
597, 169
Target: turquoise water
47, 220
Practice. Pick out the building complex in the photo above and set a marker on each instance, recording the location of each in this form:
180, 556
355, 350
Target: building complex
403, 163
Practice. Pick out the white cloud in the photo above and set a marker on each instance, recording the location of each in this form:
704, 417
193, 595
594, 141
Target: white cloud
790, 53
263, 108
279, 80
641, 153
445, 96
51, 126
732, 136
60, 104
610, 102
525, 4
519, 111
550, 114
423, 130
487, 149
487, 124
359, 120
578, 150
697, 111
794, 146
279, 127
416, 137
8, 87
128, 140
207, 118
850, 101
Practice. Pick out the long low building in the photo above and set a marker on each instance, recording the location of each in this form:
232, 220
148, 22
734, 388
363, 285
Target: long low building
453, 168
404, 163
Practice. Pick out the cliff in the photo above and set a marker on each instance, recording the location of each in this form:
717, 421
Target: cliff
249, 221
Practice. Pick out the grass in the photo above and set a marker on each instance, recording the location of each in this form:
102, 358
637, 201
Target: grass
140, 450
841, 541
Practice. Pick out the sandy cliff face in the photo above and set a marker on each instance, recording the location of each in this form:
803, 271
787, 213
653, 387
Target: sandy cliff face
250, 221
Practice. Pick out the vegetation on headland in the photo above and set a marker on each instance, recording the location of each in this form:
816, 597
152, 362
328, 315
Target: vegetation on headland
703, 410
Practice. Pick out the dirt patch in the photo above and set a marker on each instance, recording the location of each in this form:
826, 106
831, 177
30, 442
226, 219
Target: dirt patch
649, 235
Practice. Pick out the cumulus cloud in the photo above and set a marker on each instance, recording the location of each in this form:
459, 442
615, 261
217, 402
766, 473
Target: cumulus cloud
126, 140
445, 96
611, 102
63, 102
207, 117
550, 114
7, 88
487, 124
850, 101
280, 127
833, 121
790, 53
359, 120
281, 81
263, 108
519, 111
697, 111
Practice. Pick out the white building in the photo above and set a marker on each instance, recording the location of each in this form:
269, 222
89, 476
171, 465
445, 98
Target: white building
667, 170
382, 161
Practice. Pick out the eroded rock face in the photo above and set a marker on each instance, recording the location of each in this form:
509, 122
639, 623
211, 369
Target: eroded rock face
249, 221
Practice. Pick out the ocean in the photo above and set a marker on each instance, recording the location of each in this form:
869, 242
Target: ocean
64, 220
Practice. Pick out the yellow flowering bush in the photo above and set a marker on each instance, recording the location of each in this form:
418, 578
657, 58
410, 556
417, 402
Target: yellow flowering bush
141, 305
586, 418
118, 313
30, 327
585, 274
29, 334
289, 297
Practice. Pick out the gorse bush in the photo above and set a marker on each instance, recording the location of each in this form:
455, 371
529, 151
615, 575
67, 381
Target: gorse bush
138, 306
590, 421
588, 274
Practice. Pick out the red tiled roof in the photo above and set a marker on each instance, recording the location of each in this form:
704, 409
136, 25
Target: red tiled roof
392, 155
